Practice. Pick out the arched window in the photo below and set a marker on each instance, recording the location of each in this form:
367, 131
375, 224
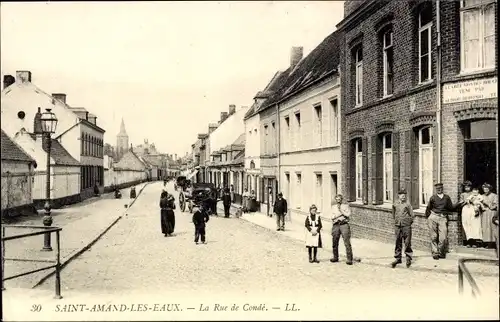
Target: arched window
425, 164
387, 167
358, 150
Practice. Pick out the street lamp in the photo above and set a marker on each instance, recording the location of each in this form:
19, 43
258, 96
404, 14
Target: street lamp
48, 122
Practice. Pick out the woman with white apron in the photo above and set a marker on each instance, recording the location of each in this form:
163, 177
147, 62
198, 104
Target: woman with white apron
313, 234
471, 216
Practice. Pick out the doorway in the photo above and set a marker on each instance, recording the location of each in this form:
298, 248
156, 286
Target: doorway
480, 162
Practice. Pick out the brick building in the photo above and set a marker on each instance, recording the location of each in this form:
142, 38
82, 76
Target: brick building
415, 106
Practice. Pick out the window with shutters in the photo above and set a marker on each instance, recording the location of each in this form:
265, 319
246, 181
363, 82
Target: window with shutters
287, 186
266, 139
388, 62
358, 60
358, 150
477, 20
335, 126
298, 191
387, 167
333, 188
287, 137
425, 163
425, 44
318, 115
82, 145
318, 188
298, 133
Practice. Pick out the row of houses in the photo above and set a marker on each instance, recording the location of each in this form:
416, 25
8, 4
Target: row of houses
77, 160
402, 95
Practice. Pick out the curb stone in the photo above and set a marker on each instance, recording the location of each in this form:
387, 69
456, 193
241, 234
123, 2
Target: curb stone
368, 261
92, 242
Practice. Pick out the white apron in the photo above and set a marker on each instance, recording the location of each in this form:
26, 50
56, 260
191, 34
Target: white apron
471, 223
312, 241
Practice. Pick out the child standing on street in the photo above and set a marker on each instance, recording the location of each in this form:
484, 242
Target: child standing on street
200, 218
313, 234
403, 215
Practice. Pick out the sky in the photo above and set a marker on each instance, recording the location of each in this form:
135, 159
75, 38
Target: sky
167, 68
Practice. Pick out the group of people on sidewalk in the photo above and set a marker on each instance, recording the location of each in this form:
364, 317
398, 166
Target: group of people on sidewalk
481, 210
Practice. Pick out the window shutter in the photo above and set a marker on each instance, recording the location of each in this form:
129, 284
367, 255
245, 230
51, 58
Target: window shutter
435, 160
395, 164
351, 172
377, 183
379, 171
364, 170
414, 170
408, 165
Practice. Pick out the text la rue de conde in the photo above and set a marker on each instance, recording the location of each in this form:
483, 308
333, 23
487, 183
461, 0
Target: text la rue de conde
157, 307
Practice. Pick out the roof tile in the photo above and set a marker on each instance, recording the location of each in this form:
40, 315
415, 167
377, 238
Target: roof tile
12, 151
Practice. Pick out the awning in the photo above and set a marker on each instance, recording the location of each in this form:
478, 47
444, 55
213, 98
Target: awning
192, 174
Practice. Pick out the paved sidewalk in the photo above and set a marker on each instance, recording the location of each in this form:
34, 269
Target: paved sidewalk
367, 251
82, 225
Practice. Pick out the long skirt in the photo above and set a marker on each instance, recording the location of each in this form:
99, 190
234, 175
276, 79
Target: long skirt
170, 220
164, 222
313, 241
488, 226
471, 223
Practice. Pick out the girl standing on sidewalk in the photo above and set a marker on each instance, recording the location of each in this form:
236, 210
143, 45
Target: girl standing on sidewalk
313, 234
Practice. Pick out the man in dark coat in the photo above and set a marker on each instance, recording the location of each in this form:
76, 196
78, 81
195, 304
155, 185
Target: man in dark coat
226, 202
200, 218
280, 208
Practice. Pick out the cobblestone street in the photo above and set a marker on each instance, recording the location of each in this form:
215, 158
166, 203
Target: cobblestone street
239, 258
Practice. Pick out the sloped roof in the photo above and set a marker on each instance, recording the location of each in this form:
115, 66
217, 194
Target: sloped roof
322, 61
240, 140
274, 91
238, 159
152, 160
60, 155
12, 151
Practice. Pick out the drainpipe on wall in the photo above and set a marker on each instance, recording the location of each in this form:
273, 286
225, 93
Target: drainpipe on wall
278, 148
438, 90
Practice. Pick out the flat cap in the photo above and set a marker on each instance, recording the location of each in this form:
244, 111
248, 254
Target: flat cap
439, 184
402, 192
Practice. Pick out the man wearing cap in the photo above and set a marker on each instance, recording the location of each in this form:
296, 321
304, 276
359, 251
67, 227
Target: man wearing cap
341, 214
437, 212
280, 208
402, 213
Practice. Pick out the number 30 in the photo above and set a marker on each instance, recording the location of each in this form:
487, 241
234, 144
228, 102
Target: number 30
36, 308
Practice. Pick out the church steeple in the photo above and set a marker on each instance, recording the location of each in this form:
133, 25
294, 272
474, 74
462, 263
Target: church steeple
122, 132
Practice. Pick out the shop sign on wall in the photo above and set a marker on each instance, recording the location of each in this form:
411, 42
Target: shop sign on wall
472, 90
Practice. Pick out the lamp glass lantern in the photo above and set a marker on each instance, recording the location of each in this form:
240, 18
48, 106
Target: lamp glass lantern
49, 121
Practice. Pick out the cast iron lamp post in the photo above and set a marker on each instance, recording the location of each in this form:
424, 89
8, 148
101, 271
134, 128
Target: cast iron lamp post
48, 123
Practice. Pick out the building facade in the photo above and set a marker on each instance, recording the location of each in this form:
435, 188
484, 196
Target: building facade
231, 127
77, 129
425, 101
309, 122
17, 169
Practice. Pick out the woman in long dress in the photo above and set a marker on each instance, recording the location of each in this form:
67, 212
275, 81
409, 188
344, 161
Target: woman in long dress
471, 219
163, 212
313, 234
490, 207
170, 215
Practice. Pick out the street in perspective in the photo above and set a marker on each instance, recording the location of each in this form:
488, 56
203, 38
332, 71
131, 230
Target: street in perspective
249, 161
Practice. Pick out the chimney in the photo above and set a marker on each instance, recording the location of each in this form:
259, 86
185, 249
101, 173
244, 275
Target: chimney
212, 127
296, 56
8, 80
223, 116
175, 156
232, 109
23, 76
37, 122
60, 96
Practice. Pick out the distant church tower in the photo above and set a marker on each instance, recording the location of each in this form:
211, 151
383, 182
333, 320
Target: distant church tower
121, 141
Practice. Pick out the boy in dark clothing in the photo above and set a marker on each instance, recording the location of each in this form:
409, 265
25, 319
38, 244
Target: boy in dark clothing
200, 218
226, 202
